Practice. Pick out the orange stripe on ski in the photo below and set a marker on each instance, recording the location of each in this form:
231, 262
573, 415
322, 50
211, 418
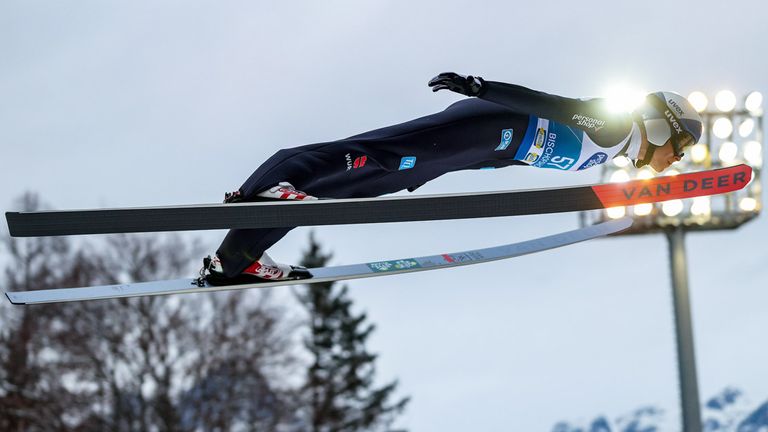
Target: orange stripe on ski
681, 186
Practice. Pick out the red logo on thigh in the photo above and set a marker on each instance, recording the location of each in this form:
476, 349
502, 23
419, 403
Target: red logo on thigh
360, 162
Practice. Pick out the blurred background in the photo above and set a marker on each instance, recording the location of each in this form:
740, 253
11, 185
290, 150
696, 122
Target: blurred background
166, 103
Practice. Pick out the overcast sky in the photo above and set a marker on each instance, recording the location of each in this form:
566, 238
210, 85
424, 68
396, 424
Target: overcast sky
154, 103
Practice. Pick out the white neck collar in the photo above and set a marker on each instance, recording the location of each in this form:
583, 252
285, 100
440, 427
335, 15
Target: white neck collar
635, 142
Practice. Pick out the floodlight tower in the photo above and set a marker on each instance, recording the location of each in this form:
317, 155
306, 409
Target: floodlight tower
731, 136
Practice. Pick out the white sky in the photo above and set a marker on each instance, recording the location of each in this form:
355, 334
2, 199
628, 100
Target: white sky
152, 103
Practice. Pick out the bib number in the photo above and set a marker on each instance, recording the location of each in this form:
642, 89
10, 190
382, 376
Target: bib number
561, 162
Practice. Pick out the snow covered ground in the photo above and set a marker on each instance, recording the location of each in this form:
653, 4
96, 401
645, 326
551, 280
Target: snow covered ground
728, 411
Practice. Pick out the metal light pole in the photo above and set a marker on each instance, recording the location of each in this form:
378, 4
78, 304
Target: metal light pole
686, 358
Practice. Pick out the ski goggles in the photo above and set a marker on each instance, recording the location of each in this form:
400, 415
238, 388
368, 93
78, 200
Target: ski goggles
681, 144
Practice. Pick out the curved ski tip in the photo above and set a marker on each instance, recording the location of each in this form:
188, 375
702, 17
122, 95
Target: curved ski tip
625, 223
615, 226
749, 172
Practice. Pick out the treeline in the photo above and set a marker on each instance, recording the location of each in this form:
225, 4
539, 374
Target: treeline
235, 360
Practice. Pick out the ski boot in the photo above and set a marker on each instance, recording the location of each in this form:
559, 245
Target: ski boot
281, 191
262, 270
285, 191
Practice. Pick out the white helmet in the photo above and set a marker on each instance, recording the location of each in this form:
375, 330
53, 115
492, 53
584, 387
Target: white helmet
668, 116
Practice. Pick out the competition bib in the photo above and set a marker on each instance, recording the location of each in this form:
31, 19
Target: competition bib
548, 144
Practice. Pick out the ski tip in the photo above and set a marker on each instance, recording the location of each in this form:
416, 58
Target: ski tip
624, 224
748, 170
740, 169
614, 226
680, 186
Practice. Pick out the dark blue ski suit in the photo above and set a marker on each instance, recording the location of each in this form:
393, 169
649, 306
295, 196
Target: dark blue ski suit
507, 125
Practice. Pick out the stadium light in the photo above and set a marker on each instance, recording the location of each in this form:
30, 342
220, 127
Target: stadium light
753, 153
643, 209
701, 206
645, 173
698, 100
754, 102
748, 204
699, 153
722, 128
725, 100
616, 212
621, 98
621, 162
619, 176
672, 208
746, 127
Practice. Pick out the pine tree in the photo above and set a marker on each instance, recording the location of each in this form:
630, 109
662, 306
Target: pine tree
340, 381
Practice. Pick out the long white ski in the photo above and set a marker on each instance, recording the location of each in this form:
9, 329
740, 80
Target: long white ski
327, 274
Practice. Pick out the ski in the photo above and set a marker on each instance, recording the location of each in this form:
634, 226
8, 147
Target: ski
377, 210
328, 274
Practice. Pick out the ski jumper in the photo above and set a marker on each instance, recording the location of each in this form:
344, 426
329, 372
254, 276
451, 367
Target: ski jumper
507, 125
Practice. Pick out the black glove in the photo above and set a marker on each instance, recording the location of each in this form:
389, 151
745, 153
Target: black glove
466, 85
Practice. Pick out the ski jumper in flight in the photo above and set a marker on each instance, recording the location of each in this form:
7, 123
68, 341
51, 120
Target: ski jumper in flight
500, 125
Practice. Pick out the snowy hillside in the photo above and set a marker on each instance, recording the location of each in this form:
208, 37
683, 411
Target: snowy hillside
729, 411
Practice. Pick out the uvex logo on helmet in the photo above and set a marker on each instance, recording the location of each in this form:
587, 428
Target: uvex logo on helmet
673, 122
675, 105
